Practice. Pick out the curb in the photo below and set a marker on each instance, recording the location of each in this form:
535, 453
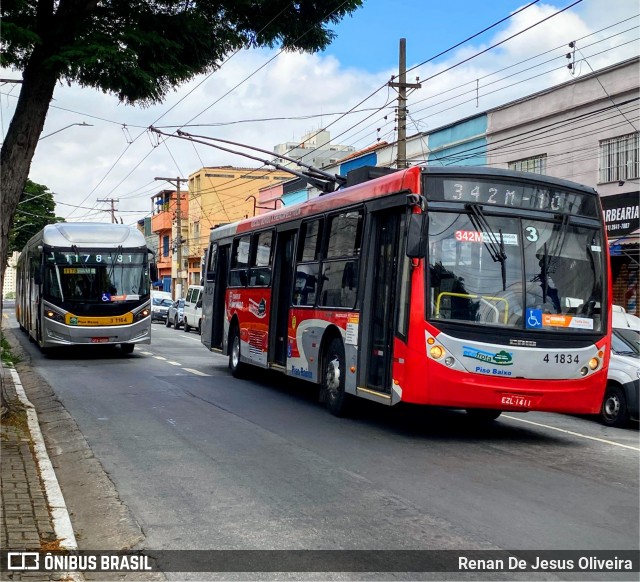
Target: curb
59, 514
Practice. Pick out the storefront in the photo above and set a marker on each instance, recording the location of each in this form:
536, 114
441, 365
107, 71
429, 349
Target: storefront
621, 216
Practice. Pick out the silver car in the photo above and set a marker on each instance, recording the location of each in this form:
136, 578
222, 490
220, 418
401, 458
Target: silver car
175, 315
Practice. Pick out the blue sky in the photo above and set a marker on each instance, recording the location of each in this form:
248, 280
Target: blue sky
369, 39
263, 97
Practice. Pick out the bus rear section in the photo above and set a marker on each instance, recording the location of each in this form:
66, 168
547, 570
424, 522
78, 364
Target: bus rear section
479, 289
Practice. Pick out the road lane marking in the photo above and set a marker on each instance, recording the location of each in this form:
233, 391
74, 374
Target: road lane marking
197, 372
174, 363
160, 358
145, 353
584, 436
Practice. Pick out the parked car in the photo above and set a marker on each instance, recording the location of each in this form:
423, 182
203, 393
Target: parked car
193, 308
175, 315
160, 303
620, 403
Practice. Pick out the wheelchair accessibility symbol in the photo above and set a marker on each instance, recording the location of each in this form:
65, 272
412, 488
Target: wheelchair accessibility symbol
534, 318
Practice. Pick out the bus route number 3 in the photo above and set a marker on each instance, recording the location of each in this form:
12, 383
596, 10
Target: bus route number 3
561, 358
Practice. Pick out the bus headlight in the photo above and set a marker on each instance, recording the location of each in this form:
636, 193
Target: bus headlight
449, 361
436, 352
142, 314
594, 363
51, 314
584, 371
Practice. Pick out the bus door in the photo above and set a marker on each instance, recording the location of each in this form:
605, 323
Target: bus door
380, 299
213, 308
281, 298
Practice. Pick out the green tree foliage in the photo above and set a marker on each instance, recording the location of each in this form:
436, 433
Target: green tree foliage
137, 50
35, 210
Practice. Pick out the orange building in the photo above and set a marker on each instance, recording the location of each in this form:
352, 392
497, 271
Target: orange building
219, 195
164, 224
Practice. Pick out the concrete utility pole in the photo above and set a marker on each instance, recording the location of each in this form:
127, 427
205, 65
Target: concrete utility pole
179, 279
113, 208
402, 86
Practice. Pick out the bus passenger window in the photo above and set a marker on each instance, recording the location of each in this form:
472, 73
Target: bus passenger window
238, 276
306, 284
261, 262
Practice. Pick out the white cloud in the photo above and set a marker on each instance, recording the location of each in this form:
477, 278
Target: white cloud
116, 158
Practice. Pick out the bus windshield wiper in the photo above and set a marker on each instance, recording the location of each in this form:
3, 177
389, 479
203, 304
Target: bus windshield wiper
494, 247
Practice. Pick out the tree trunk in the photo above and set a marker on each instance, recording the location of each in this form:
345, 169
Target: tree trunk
39, 82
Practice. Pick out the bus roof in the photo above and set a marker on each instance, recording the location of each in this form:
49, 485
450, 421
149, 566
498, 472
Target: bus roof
401, 181
91, 234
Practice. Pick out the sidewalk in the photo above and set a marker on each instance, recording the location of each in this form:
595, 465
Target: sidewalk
26, 522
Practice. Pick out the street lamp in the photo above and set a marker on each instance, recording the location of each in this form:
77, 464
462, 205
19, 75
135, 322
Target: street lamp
83, 124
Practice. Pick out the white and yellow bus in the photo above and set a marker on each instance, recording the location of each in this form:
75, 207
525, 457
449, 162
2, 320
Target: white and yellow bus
85, 283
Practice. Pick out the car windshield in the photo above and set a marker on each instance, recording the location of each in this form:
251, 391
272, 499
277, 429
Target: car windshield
626, 342
163, 302
514, 272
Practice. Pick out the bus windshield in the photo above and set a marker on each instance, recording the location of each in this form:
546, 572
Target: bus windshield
95, 276
515, 272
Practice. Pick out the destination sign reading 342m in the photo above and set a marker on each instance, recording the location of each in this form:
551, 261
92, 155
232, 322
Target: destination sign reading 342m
534, 197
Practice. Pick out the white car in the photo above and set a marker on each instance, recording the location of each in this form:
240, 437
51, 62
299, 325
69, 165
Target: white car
620, 403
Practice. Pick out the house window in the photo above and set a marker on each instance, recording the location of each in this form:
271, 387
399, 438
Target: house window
165, 246
619, 158
535, 164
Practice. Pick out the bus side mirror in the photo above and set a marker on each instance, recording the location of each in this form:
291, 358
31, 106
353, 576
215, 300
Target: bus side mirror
415, 237
153, 271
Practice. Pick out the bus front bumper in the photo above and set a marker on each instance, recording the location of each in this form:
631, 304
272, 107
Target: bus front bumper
465, 390
60, 334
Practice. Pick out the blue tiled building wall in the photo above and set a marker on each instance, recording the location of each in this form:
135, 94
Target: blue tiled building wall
462, 144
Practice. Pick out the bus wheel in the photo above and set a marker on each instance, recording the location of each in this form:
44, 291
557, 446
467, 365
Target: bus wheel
236, 366
127, 348
333, 378
483, 414
614, 411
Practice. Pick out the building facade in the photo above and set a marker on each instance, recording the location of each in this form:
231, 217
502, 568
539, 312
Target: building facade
168, 212
219, 195
9, 281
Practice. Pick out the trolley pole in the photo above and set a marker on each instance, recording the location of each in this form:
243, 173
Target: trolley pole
402, 87
179, 279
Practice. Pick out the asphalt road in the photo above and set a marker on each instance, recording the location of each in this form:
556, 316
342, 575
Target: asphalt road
204, 461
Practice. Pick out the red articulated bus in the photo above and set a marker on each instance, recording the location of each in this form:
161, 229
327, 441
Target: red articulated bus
474, 288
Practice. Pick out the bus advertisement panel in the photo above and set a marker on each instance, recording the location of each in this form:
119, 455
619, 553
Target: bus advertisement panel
472, 288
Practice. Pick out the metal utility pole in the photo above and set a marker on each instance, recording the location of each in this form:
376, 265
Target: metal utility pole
179, 279
112, 201
402, 87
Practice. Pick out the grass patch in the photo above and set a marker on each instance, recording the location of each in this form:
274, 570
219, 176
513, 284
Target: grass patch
8, 358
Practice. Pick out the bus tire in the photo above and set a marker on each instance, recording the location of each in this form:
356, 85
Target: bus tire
186, 325
235, 364
483, 414
127, 348
614, 410
334, 372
